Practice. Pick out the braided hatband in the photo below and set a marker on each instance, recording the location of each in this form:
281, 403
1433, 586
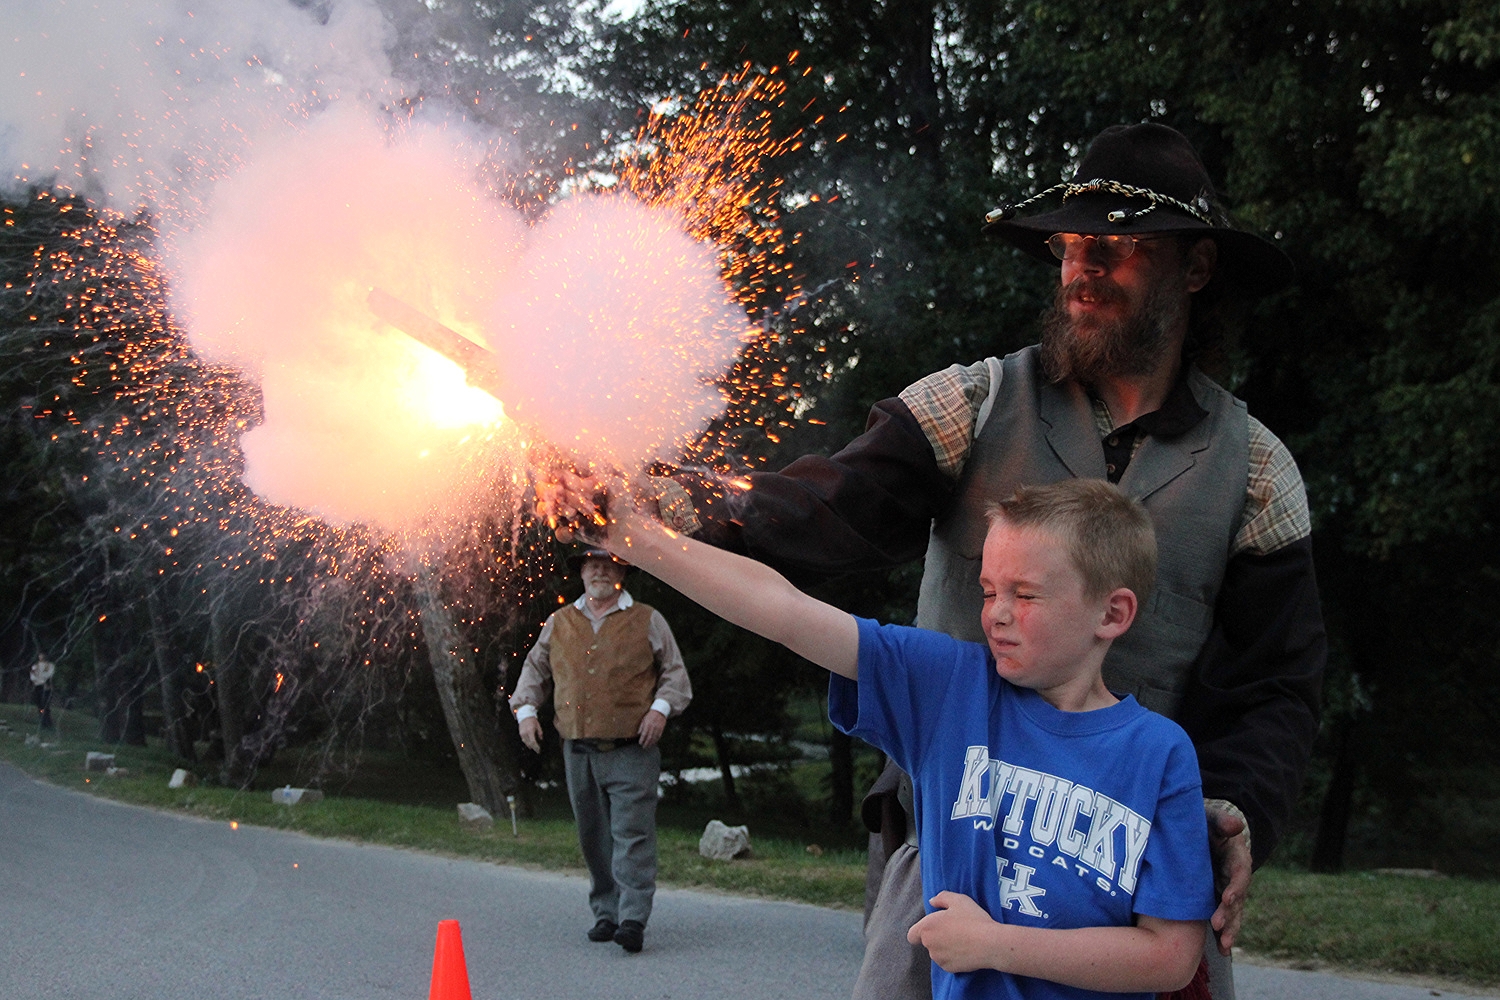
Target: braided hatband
1200, 210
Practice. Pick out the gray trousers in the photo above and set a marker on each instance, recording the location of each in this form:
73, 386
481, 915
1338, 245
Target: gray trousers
895, 969
614, 804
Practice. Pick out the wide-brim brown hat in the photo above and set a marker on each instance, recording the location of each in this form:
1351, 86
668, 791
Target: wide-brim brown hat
1145, 179
576, 559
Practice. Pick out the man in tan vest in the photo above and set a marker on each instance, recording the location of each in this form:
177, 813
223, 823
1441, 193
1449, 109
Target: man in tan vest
615, 675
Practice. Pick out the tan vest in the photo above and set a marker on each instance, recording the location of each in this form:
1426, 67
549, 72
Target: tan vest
604, 682
1192, 486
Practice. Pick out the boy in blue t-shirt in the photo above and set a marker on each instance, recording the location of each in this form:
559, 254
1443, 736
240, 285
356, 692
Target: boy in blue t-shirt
1064, 846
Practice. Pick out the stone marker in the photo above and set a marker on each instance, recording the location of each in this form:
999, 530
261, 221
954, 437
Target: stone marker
182, 779
117, 772
473, 816
96, 761
723, 843
290, 796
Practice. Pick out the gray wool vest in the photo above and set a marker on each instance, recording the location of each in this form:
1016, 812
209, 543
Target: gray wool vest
1193, 486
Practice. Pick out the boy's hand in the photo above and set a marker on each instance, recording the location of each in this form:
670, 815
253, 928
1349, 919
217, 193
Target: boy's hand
1229, 843
960, 936
575, 504
568, 500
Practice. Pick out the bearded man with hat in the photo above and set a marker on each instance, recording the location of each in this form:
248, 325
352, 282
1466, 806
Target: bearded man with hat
615, 675
1231, 644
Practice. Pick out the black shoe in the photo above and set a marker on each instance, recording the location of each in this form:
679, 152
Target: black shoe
604, 930
631, 936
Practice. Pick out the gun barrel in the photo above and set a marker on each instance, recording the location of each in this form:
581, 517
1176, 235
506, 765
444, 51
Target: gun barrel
547, 463
479, 365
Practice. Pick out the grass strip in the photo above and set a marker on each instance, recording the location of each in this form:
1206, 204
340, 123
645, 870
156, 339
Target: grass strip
778, 868
1408, 924
1440, 927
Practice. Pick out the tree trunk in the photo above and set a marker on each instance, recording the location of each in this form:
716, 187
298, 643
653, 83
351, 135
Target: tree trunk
136, 681
118, 686
726, 772
224, 643
111, 719
841, 794
484, 757
15, 684
910, 27
1338, 805
173, 725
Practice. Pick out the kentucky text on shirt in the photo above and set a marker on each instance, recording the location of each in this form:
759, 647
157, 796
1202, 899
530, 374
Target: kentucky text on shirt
1079, 821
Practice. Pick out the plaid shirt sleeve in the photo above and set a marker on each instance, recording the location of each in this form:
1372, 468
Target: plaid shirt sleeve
949, 406
1275, 513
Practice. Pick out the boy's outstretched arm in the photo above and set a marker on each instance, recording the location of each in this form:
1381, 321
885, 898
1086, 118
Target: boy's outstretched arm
739, 590
1154, 956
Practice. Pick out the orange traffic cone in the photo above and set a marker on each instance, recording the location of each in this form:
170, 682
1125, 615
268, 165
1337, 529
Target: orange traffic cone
450, 976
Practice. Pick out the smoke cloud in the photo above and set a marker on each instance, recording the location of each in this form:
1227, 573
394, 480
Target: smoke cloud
144, 103
256, 134
610, 329
361, 422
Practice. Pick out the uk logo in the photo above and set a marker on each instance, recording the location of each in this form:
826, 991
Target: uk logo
1018, 889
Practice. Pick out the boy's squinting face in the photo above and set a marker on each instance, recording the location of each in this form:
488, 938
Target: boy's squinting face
1040, 627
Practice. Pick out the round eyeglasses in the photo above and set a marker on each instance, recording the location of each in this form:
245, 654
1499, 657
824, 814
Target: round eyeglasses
1113, 247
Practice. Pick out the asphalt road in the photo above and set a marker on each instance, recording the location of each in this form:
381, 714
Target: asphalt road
99, 900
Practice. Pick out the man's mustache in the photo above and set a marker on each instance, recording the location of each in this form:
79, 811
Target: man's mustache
1097, 289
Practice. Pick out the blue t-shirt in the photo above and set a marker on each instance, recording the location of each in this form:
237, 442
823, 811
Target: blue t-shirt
1046, 818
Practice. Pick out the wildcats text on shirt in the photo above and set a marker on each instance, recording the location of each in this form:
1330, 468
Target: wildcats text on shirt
1053, 820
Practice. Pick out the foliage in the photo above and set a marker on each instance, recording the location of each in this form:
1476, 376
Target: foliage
505, 68
1361, 135
143, 565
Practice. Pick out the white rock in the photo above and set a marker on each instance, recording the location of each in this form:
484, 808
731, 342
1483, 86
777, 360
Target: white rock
182, 779
290, 796
723, 843
474, 816
96, 761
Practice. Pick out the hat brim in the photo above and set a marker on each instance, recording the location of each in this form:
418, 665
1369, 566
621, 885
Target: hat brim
577, 559
1246, 262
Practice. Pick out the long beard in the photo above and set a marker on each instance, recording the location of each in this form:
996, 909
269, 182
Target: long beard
1088, 350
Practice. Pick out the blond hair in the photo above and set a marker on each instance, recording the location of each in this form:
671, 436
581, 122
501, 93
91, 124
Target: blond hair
1107, 535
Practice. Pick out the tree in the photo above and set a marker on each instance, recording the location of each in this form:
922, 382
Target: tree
1362, 136
128, 519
